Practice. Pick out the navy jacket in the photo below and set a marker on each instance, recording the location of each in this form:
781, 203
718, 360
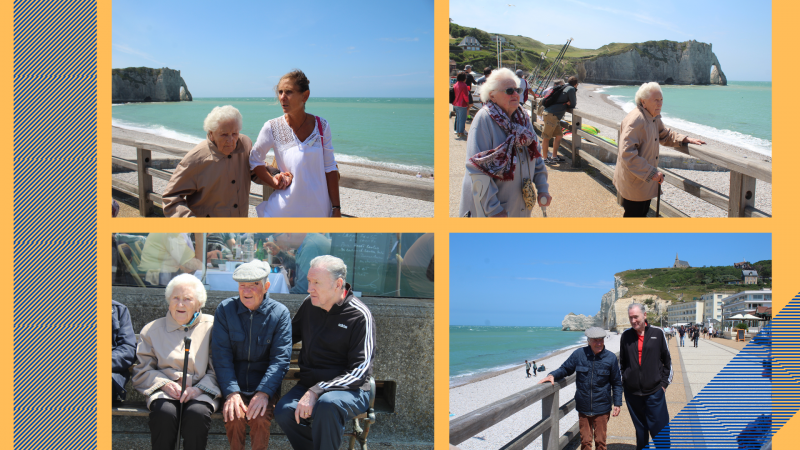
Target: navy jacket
597, 376
123, 348
251, 349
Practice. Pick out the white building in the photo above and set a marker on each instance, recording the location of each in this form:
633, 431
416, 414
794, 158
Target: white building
712, 305
687, 312
745, 302
470, 43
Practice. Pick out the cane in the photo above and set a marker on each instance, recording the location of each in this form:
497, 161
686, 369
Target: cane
187, 342
658, 202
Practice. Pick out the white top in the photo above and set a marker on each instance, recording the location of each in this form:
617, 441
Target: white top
308, 161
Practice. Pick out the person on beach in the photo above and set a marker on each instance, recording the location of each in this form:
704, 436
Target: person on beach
213, 179
502, 155
552, 116
302, 147
252, 347
636, 175
646, 374
338, 335
533, 366
461, 105
158, 376
598, 387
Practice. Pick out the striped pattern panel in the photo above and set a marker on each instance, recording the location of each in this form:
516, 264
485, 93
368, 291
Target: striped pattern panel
750, 399
55, 231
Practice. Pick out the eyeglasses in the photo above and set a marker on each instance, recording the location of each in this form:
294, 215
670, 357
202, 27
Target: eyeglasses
510, 91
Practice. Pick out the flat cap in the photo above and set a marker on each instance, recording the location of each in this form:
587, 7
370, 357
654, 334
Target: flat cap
255, 270
595, 333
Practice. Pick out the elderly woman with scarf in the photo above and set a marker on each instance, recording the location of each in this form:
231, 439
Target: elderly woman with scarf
502, 154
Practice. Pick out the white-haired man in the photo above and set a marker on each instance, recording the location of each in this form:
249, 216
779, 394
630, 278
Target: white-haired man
338, 335
646, 374
213, 179
636, 176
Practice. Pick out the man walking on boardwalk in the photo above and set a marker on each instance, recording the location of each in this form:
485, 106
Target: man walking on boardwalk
598, 375
646, 373
682, 332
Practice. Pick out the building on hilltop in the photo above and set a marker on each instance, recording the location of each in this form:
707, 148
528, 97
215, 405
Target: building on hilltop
680, 264
470, 43
744, 265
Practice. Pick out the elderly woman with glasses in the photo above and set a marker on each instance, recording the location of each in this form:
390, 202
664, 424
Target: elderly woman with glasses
502, 155
159, 374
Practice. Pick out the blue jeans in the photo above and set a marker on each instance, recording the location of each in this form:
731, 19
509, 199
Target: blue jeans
681, 340
461, 118
332, 410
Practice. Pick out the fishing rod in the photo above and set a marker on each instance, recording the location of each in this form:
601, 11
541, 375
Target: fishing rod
552, 70
533, 77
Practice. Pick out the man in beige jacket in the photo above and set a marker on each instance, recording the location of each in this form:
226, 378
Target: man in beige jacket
636, 176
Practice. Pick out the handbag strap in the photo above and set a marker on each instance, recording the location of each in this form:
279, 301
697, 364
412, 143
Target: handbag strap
319, 127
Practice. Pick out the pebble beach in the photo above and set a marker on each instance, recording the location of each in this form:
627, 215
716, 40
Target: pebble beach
469, 395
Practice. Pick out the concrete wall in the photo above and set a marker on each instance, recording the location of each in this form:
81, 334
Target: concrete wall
404, 356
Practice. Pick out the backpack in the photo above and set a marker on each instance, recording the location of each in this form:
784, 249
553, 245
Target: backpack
553, 96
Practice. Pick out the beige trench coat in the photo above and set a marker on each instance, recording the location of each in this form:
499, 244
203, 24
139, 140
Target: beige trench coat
208, 183
160, 352
637, 156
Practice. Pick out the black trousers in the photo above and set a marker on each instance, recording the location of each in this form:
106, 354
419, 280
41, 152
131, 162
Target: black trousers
649, 415
195, 424
635, 209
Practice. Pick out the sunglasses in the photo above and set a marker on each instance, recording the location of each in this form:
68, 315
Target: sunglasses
510, 91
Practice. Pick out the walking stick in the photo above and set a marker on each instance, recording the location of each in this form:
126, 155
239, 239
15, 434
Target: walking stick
187, 342
658, 202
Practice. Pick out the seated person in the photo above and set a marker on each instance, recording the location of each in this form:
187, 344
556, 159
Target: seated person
123, 349
308, 246
166, 255
335, 361
251, 347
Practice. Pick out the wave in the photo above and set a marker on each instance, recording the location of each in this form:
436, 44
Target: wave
735, 138
344, 158
158, 130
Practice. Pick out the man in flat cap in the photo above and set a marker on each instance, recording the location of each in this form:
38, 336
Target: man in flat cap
251, 345
338, 335
598, 375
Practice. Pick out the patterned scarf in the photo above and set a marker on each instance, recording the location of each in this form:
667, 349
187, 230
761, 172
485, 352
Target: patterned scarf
499, 162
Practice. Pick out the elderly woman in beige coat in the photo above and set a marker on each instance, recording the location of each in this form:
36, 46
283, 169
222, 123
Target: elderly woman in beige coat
160, 351
213, 179
636, 176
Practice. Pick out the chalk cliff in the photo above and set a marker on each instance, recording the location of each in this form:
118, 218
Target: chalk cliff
579, 322
665, 62
143, 84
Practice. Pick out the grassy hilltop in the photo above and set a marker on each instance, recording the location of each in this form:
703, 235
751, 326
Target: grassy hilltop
685, 284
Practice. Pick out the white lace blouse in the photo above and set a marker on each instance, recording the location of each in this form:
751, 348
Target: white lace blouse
307, 160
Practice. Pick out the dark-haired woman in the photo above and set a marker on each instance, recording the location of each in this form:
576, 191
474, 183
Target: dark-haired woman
302, 147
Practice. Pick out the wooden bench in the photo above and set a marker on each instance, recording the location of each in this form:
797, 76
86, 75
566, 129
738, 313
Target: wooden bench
360, 430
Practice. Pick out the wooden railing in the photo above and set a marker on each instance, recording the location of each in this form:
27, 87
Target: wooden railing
143, 190
743, 172
469, 425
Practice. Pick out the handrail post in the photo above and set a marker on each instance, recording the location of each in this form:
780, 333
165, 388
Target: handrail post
144, 162
550, 403
576, 140
742, 194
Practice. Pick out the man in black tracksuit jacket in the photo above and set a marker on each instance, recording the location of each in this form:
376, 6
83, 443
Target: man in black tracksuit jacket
646, 373
338, 335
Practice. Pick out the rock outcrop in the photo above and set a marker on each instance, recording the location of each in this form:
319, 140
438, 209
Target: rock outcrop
143, 84
579, 322
665, 62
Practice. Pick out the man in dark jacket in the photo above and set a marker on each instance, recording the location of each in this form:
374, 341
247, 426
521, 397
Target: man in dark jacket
598, 375
338, 335
123, 348
646, 373
251, 345
552, 116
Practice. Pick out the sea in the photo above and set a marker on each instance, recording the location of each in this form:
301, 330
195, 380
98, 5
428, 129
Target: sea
739, 114
395, 133
477, 350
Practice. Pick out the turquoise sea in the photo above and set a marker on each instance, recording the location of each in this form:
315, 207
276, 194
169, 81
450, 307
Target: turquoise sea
394, 132
479, 349
739, 114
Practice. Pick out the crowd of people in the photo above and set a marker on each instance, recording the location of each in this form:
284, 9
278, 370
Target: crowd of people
249, 338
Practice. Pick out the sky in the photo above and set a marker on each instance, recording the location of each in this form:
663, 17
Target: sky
241, 48
536, 279
740, 32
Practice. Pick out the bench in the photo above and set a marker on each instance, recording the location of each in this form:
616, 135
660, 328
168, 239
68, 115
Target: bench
360, 425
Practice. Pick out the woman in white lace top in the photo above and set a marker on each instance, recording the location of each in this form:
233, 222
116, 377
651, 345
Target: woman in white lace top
302, 146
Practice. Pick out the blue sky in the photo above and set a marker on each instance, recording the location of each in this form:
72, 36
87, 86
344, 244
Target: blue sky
740, 32
241, 48
537, 279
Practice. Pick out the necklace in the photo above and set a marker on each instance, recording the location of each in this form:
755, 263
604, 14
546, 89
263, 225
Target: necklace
301, 125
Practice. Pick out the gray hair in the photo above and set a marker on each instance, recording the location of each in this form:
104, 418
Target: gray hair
222, 114
645, 91
641, 307
335, 266
494, 81
187, 279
